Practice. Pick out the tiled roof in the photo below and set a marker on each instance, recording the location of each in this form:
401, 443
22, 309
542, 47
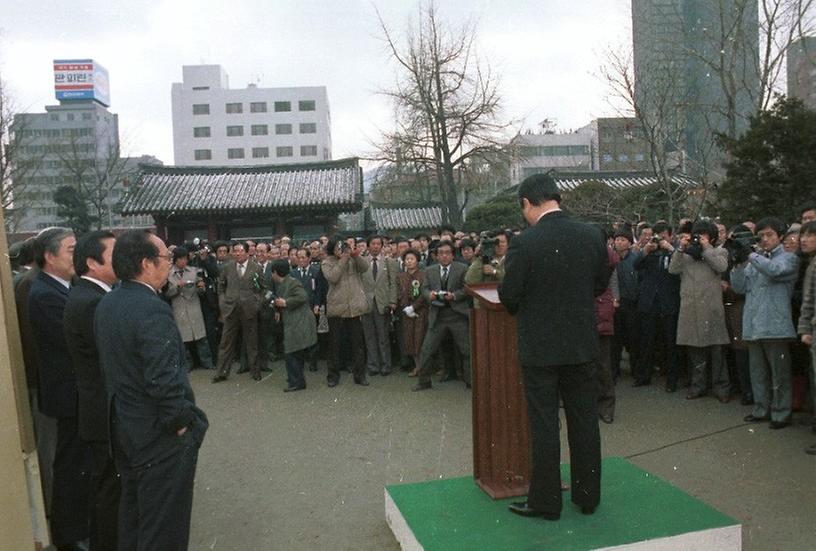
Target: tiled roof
164, 190
616, 180
406, 218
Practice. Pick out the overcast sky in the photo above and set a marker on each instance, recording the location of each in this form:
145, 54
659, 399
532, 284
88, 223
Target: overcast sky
547, 53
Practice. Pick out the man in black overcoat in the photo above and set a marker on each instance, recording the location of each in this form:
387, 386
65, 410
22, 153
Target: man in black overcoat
57, 390
94, 265
156, 428
554, 271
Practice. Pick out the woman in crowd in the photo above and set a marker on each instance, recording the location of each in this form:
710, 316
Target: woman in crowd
414, 309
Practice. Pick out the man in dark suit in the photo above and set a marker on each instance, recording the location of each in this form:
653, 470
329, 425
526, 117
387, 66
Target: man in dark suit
58, 387
444, 289
239, 300
94, 266
554, 270
156, 428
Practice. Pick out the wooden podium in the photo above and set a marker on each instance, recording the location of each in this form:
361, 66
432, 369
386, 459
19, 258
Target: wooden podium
501, 437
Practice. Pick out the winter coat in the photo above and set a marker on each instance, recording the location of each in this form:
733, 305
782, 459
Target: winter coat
605, 302
767, 283
702, 315
186, 304
299, 327
807, 316
346, 297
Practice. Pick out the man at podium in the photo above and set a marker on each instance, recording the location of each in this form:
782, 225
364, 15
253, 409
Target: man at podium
554, 270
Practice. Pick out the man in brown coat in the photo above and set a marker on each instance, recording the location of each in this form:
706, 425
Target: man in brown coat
240, 294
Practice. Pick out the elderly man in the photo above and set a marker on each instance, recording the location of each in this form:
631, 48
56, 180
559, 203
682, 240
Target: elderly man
156, 428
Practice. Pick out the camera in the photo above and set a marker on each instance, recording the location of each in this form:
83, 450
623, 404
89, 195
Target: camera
694, 248
269, 298
487, 242
655, 240
345, 247
439, 303
739, 245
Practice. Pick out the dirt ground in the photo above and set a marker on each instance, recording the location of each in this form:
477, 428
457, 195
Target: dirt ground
306, 470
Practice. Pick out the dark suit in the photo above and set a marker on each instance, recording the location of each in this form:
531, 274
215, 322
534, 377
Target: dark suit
58, 399
150, 400
92, 404
451, 319
554, 270
239, 302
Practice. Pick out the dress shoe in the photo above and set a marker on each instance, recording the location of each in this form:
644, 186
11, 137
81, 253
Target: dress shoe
414, 372
607, 418
331, 383
256, 377
294, 388
242, 369
641, 383
779, 424
694, 395
671, 388
385, 372
587, 509
373, 372
218, 379
752, 419
361, 382
523, 509
448, 377
724, 399
421, 386
267, 368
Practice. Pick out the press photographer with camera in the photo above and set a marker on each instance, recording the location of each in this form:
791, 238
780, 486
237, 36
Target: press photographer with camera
488, 263
346, 303
184, 285
766, 279
701, 323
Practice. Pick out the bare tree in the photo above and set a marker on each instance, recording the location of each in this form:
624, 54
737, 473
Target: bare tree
17, 165
660, 108
447, 102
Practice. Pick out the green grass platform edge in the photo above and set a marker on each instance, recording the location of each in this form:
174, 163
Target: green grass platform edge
451, 514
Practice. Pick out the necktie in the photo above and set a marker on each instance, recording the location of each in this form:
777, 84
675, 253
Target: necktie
241, 270
374, 266
445, 278
180, 273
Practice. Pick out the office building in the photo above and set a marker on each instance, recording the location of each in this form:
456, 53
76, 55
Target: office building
802, 70
215, 125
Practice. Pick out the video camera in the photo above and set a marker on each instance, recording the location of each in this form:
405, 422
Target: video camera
739, 246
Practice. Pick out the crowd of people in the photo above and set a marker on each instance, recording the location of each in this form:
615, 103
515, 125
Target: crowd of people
725, 312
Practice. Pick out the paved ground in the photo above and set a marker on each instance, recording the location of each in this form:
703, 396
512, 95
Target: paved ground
306, 470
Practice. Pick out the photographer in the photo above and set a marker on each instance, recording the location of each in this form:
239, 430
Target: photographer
346, 303
701, 324
488, 263
766, 279
184, 285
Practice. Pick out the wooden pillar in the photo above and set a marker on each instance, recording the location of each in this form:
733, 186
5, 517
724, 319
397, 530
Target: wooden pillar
18, 500
212, 229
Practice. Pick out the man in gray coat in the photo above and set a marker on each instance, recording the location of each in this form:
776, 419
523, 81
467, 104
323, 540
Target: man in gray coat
701, 326
380, 284
767, 280
183, 288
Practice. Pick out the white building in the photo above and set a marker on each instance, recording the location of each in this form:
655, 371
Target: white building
216, 125
536, 153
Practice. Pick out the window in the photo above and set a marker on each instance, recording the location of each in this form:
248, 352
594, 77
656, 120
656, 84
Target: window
201, 132
306, 105
70, 116
260, 152
260, 130
308, 151
203, 154
233, 108
284, 151
257, 107
235, 153
201, 88
54, 116
639, 157
235, 130
86, 116
308, 128
201, 109
607, 158
281, 106
283, 129
623, 158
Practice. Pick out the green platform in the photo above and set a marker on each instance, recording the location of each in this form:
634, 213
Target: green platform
636, 507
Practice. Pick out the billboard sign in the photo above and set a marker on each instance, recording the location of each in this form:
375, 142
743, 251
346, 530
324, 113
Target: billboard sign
81, 79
